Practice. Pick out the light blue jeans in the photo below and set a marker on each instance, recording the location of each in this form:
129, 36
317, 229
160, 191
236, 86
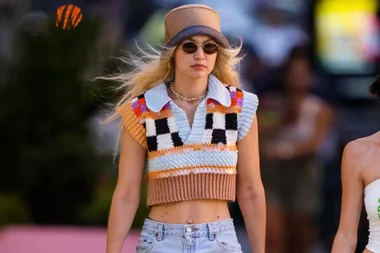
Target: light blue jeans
213, 237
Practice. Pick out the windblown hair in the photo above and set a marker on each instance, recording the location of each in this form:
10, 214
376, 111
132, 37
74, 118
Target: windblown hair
151, 69
375, 87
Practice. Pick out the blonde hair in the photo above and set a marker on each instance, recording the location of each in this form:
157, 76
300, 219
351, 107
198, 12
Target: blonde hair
151, 69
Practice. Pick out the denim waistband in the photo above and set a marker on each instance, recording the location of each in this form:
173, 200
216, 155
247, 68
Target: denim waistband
210, 229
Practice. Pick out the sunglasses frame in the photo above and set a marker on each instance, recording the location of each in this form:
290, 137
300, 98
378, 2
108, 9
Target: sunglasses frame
209, 42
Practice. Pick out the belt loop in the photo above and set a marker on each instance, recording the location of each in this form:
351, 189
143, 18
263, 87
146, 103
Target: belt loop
160, 234
210, 231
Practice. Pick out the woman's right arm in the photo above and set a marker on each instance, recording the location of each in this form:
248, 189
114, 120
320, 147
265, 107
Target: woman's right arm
126, 196
352, 197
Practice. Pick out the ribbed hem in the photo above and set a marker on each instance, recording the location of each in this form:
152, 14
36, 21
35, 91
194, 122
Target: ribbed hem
191, 187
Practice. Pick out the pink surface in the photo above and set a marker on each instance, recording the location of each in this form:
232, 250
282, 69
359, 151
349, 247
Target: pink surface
58, 240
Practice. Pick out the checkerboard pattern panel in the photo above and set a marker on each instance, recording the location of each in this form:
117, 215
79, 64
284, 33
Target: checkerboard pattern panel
162, 134
222, 127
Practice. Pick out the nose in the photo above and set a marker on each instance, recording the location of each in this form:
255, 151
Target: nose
199, 54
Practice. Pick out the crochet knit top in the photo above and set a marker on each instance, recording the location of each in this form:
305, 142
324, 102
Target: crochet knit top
190, 162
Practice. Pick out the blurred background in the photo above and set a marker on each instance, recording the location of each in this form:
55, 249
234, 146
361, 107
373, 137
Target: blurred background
309, 62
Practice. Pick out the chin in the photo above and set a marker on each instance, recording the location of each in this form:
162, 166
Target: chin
198, 74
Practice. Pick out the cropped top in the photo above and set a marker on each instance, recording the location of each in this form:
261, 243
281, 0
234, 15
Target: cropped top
372, 206
190, 162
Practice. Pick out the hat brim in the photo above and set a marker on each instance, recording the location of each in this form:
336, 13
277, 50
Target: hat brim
198, 30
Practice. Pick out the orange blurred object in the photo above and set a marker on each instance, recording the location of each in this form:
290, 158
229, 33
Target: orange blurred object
68, 16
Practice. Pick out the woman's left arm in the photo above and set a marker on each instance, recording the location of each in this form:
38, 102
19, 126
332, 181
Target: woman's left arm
250, 190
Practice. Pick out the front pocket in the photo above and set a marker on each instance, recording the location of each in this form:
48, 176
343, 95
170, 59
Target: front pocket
145, 243
229, 242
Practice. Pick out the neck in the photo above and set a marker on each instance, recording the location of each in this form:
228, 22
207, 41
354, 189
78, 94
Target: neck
190, 87
296, 96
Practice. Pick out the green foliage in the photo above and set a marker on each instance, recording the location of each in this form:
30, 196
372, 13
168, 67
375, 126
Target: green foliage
47, 155
12, 210
97, 213
143, 210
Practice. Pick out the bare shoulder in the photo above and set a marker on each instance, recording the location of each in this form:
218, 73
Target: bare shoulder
356, 152
357, 147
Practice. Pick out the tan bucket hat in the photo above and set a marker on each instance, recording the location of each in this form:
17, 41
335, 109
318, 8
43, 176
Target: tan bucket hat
193, 19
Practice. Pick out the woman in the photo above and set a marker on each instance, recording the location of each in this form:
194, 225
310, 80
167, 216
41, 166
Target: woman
185, 121
360, 178
289, 164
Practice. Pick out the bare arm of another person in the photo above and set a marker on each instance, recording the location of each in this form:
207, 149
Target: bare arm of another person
324, 119
126, 196
250, 191
352, 197
323, 122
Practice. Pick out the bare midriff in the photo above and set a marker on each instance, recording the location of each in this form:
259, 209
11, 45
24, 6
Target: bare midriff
190, 212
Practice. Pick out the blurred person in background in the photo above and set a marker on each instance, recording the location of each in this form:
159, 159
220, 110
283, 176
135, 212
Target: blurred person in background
185, 120
294, 126
360, 178
254, 72
275, 33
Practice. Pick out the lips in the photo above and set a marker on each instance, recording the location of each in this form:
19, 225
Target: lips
198, 66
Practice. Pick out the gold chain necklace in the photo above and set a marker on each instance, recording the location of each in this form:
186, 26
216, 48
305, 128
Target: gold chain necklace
187, 99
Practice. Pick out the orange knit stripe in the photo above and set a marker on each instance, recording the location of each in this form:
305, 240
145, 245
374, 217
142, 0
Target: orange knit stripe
222, 109
190, 147
158, 174
132, 124
157, 115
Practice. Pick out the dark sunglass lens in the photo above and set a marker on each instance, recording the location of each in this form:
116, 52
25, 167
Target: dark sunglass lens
210, 48
189, 47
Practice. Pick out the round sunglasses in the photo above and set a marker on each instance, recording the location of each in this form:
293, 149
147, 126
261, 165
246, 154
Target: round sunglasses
191, 47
